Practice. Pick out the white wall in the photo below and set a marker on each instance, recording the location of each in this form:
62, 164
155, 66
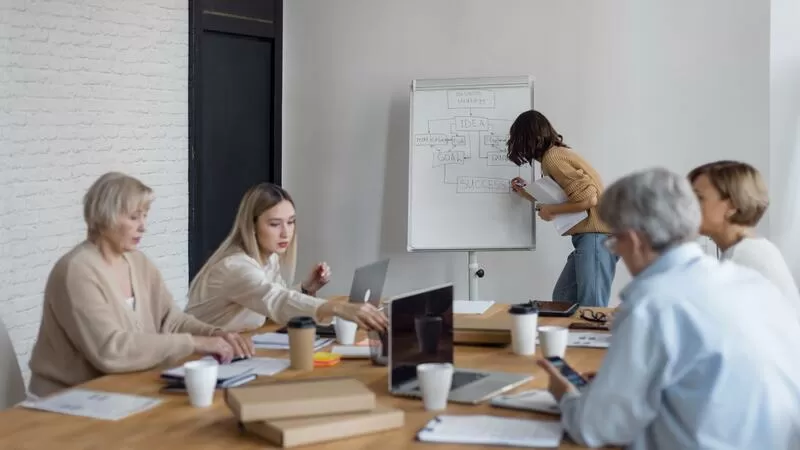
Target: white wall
629, 84
785, 129
87, 86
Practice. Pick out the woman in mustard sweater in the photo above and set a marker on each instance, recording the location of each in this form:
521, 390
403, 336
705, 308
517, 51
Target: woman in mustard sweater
590, 268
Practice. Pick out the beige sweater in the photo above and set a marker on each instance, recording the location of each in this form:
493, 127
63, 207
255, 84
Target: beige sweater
88, 329
238, 294
579, 181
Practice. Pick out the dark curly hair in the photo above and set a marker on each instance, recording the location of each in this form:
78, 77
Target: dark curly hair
530, 137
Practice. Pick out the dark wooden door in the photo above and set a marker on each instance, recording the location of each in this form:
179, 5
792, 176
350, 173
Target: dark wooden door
235, 105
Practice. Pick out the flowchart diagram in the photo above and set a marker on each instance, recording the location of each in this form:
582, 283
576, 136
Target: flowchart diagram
469, 144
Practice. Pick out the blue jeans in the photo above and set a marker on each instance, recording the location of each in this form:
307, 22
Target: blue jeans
589, 271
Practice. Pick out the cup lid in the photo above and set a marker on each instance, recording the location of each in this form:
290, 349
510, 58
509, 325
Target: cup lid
524, 308
301, 322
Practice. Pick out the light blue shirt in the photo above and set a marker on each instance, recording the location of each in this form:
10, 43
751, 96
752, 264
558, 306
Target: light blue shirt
704, 355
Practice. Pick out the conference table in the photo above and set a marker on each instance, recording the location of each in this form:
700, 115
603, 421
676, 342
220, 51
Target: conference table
174, 424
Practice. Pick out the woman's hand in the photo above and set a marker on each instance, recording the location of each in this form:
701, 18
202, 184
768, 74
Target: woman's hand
546, 213
518, 184
364, 314
216, 346
242, 347
320, 276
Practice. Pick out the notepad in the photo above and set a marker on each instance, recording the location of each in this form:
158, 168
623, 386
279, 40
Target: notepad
256, 366
492, 430
94, 404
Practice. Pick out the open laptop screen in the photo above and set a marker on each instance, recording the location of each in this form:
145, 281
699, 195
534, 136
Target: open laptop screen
421, 331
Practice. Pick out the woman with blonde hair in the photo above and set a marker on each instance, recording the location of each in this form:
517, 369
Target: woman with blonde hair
245, 280
106, 307
734, 198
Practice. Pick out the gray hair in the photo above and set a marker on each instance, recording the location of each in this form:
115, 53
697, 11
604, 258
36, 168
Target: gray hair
657, 203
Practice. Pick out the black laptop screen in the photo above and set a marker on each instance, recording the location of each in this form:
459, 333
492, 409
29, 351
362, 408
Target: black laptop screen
421, 327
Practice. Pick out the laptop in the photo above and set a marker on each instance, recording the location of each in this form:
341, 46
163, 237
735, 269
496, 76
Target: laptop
368, 283
367, 286
421, 331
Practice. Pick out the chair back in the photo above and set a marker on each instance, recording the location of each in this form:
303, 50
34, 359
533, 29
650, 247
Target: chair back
12, 385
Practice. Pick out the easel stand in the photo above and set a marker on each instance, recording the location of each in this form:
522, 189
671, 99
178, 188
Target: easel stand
475, 272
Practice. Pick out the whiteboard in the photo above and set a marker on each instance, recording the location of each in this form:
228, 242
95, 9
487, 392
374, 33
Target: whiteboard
459, 176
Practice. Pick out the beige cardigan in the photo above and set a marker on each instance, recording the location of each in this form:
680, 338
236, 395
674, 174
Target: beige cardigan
88, 330
238, 294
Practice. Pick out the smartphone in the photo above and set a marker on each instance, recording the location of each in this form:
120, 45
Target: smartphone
569, 373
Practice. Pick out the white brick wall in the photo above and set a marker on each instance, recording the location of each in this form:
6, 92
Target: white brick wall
87, 86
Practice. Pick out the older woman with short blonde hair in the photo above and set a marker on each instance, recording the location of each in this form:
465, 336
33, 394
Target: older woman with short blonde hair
733, 198
106, 307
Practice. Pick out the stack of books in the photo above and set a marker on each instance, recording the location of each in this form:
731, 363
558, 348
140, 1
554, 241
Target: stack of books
295, 413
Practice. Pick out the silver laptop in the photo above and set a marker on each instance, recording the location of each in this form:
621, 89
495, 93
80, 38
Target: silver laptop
368, 283
421, 331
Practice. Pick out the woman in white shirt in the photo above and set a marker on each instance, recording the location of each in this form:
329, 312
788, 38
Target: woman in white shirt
245, 281
733, 198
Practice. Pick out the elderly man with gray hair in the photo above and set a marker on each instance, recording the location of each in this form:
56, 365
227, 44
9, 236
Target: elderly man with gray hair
703, 353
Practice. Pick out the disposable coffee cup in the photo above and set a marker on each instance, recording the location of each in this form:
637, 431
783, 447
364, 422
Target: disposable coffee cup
345, 331
200, 378
524, 317
435, 380
302, 334
553, 341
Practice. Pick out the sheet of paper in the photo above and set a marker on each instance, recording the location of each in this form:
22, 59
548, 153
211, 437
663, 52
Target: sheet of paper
588, 339
94, 404
471, 307
546, 190
280, 341
492, 430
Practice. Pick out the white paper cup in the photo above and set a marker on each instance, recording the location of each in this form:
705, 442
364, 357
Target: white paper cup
435, 380
524, 318
553, 340
201, 381
345, 331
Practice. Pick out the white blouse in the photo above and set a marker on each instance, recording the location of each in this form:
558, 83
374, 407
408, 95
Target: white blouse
763, 256
239, 294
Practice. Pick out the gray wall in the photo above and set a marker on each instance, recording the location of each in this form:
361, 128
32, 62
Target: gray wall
629, 84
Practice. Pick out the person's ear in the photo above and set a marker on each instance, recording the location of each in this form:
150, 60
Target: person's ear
637, 243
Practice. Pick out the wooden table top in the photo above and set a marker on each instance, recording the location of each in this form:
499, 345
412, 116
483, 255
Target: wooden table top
176, 425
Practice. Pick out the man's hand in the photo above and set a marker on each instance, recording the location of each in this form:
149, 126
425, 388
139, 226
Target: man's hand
558, 385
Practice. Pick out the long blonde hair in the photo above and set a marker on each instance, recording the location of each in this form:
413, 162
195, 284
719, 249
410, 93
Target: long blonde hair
242, 237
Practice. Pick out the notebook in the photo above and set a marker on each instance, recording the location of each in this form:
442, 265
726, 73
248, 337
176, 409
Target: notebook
492, 430
229, 374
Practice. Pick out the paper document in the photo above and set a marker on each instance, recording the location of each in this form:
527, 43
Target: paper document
280, 341
471, 307
492, 430
94, 404
546, 190
588, 339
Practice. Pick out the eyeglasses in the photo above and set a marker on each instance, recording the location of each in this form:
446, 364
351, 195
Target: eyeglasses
591, 315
